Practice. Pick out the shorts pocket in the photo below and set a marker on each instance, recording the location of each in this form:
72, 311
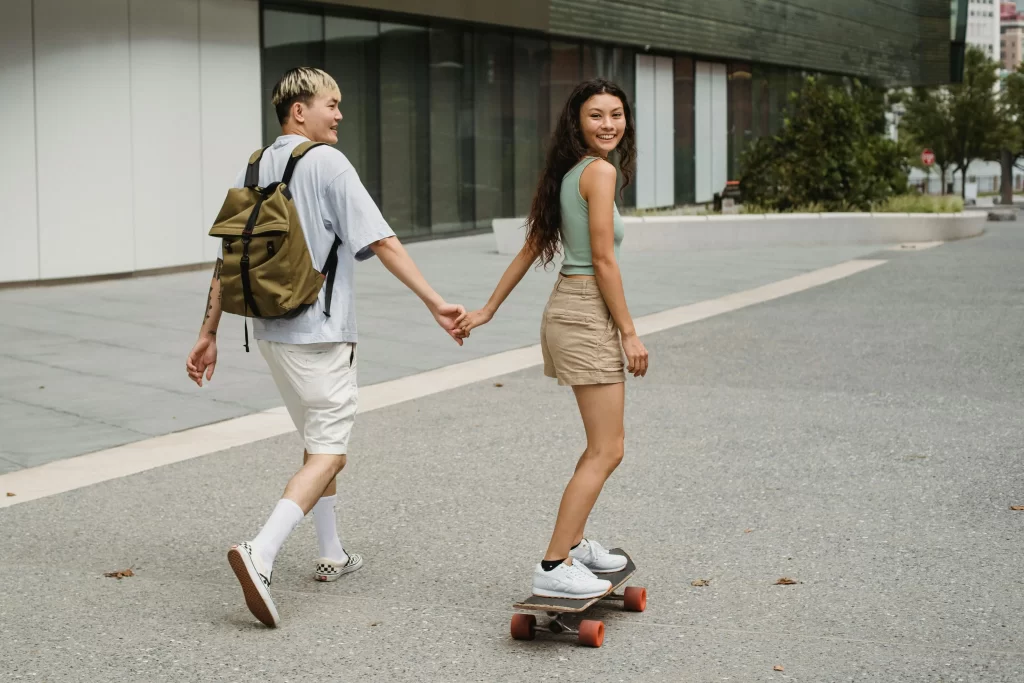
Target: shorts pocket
568, 316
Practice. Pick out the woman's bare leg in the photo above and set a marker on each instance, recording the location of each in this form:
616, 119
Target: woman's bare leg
601, 407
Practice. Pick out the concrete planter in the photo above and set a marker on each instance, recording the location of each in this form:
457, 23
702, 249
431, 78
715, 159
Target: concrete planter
658, 233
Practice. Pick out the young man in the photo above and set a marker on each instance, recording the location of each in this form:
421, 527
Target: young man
312, 357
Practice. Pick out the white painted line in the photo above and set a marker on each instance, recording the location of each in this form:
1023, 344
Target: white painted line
84, 470
683, 315
914, 246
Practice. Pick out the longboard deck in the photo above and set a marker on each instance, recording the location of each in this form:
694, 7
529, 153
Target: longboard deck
537, 603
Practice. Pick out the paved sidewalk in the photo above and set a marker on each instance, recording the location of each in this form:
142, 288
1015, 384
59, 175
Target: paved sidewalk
862, 438
91, 366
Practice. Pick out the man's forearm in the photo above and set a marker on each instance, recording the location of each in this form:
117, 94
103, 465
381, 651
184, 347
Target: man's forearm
213, 302
398, 262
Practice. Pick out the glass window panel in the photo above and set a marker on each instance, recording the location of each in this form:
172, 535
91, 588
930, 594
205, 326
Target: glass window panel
761, 102
532, 114
565, 76
740, 123
591, 56
451, 131
351, 56
405, 128
685, 171
290, 39
495, 168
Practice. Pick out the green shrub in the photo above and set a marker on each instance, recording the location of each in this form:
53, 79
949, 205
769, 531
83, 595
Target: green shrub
831, 152
915, 203
907, 203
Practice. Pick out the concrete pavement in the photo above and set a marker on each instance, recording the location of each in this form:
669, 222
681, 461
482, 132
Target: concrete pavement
862, 438
90, 366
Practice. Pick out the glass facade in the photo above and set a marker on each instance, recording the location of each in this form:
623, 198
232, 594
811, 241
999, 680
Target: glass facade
740, 125
447, 124
685, 148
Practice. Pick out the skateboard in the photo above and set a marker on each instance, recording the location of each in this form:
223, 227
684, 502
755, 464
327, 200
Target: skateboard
590, 632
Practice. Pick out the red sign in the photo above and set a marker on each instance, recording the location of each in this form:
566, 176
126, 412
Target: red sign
927, 157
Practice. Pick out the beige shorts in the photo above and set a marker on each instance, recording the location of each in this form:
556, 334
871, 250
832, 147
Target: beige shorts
578, 335
318, 385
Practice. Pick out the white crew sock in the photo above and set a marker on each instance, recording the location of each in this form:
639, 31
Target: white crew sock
326, 523
283, 520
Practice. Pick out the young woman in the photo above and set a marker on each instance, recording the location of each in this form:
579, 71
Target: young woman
586, 326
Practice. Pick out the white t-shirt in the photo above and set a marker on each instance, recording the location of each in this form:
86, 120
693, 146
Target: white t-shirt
330, 201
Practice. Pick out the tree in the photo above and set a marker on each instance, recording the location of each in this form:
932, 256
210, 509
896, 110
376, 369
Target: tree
831, 152
1012, 130
960, 122
976, 120
927, 123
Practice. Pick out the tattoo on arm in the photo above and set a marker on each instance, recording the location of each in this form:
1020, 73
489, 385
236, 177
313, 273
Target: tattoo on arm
209, 295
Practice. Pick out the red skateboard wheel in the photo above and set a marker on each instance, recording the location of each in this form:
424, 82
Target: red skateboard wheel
591, 633
524, 626
635, 599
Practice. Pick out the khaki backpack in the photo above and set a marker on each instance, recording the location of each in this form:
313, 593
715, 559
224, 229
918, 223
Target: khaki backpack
268, 271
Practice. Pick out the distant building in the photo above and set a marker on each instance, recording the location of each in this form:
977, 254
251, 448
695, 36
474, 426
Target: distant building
1011, 40
983, 28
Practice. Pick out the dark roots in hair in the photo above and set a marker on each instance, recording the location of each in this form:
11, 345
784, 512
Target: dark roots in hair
565, 150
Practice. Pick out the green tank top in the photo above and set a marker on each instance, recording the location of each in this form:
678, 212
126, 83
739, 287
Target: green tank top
576, 224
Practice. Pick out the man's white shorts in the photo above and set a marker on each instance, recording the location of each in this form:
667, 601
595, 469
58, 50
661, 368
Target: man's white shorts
318, 385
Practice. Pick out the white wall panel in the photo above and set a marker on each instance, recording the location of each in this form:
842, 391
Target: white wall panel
229, 50
711, 120
19, 229
719, 127
166, 147
665, 167
83, 127
645, 108
702, 131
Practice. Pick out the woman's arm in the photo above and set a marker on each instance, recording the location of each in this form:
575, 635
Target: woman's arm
597, 186
511, 277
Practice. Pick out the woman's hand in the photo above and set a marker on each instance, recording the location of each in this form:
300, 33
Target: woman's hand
636, 354
467, 321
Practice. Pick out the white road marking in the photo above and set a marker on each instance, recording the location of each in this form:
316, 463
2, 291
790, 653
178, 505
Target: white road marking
122, 461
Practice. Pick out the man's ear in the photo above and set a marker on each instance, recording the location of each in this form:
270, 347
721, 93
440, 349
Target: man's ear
299, 112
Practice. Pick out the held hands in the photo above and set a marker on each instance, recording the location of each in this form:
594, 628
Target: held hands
467, 321
203, 358
636, 354
447, 316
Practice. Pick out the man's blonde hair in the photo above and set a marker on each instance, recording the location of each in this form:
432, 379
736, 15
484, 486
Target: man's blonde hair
301, 84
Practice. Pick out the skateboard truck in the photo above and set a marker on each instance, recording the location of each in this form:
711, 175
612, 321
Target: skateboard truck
557, 626
589, 632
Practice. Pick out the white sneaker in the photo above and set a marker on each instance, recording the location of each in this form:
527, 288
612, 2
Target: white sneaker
596, 558
572, 581
329, 570
255, 583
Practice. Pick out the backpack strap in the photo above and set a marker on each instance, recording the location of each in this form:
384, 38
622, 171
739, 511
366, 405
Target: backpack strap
297, 153
252, 171
330, 268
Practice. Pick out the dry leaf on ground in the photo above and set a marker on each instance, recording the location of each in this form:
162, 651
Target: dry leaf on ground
747, 531
701, 582
778, 667
124, 573
498, 384
785, 581
1012, 507
10, 495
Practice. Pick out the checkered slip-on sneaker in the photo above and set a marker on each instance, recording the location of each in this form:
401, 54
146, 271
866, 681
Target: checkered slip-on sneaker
255, 585
329, 570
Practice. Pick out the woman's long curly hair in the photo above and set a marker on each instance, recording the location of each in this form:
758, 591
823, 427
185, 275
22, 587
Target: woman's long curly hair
565, 150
